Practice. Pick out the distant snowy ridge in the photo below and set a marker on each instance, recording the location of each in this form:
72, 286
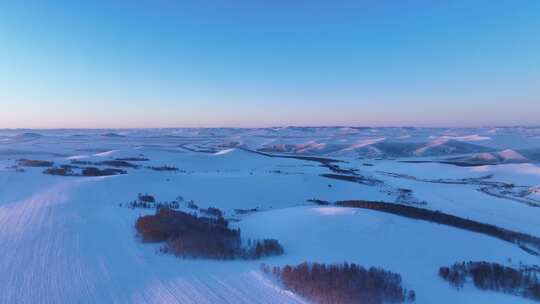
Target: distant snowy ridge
446, 140
507, 156
510, 155
339, 141
484, 157
364, 143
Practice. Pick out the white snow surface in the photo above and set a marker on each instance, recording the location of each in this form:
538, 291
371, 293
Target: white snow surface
67, 240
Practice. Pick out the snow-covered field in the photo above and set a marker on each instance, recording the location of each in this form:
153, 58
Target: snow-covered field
71, 239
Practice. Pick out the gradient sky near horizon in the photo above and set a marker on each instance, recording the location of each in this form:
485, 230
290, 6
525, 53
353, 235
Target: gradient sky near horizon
165, 63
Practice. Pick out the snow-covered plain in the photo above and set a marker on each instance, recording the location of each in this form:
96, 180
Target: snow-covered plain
67, 239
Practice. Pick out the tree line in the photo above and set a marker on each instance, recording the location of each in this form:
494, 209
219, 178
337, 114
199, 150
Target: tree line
492, 276
529, 243
343, 283
187, 235
68, 170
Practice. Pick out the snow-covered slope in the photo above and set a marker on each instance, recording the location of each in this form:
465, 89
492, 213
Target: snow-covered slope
413, 248
501, 157
70, 240
509, 155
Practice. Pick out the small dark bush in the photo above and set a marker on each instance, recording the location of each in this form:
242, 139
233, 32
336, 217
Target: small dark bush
319, 202
212, 211
168, 205
192, 205
147, 198
344, 283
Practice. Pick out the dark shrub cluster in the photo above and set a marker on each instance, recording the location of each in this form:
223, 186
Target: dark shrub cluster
187, 235
93, 171
212, 211
34, 163
164, 168
147, 201
329, 163
157, 205
146, 198
492, 276
246, 211
128, 159
126, 163
352, 178
337, 169
117, 163
319, 201
191, 205
62, 171
524, 241
111, 134
69, 170
137, 204
261, 248
348, 178
343, 283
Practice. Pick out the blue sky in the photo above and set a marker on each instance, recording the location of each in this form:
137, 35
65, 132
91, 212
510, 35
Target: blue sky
168, 63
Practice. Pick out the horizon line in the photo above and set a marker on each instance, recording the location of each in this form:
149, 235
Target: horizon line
279, 127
